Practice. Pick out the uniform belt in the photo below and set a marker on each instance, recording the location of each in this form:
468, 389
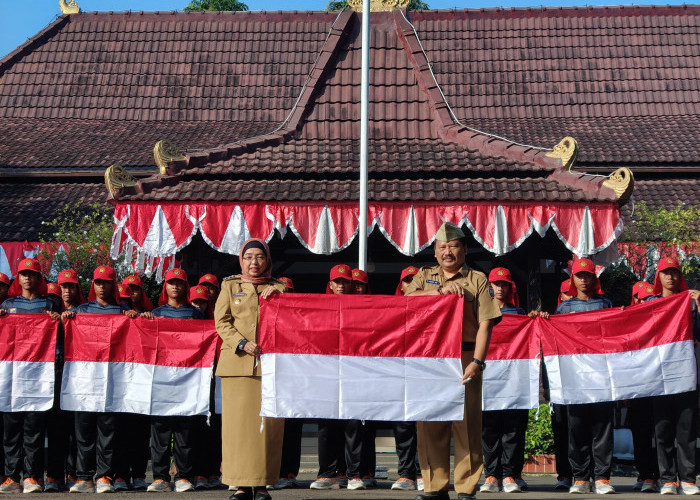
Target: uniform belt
468, 346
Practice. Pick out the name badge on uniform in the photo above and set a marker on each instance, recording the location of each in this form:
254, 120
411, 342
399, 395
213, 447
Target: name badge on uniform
13, 310
240, 294
432, 282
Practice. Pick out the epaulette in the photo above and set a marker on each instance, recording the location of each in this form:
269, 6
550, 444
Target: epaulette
232, 277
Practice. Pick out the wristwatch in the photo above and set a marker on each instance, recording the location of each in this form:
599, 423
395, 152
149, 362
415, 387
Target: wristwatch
481, 364
241, 345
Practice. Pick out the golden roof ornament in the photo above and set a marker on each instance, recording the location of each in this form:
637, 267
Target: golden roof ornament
116, 177
69, 7
164, 152
566, 151
379, 5
622, 182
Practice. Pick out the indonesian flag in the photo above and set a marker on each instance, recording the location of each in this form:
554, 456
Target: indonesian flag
161, 366
610, 355
368, 357
27, 354
512, 377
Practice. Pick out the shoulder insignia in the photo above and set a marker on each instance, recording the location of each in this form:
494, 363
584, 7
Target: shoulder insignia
232, 277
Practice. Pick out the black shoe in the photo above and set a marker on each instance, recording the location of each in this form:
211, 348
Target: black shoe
433, 495
244, 494
464, 496
262, 494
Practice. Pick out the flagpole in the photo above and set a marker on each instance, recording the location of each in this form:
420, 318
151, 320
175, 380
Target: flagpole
364, 135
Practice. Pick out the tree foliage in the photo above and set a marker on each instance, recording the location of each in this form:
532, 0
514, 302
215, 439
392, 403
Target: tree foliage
539, 439
412, 5
680, 224
216, 5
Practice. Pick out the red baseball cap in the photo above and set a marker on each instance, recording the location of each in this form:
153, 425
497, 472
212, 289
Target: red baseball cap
199, 292
586, 266
174, 274
29, 265
360, 275
4, 278
53, 289
133, 280
68, 276
408, 271
341, 271
662, 265
503, 274
287, 282
104, 273
210, 279
124, 291
641, 290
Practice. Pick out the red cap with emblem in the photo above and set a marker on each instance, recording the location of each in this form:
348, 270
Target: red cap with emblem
339, 271
408, 271
4, 278
583, 265
53, 289
134, 281
70, 276
124, 291
641, 290
503, 274
360, 275
173, 274
28, 265
199, 292
662, 265
105, 273
209, 279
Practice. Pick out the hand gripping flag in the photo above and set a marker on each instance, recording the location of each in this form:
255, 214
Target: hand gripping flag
27, 354
362, 357
161, 366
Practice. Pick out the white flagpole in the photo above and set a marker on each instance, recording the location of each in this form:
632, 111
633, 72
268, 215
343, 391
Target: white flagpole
364, 135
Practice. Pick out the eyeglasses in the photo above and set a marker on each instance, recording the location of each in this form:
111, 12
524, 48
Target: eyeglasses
258, 258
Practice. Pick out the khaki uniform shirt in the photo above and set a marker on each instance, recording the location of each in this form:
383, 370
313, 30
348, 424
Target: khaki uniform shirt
236, 315
478, 304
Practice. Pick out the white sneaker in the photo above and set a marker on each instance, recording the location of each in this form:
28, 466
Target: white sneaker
325, 483
650, 486
510, 485
638, 486
580, 487
356, 484
490, 485
420, 484
689, 488
31, 485
669, 489
404, 483
182, 485
159, 486
104, 485
603, 487
286, 482
82, 486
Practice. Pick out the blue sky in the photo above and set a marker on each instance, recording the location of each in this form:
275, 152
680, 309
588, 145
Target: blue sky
23, 19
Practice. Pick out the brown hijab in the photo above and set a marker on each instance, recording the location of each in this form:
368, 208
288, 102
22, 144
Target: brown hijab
267, 272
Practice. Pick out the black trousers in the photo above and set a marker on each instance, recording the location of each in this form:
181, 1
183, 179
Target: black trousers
368, 456
406, 449
339, 440
674, 420
560, 433
641, 419
208, 460
591, 440
96, 437
132, 450
23, 443
183, 431
60, 435
291, 447
503, 442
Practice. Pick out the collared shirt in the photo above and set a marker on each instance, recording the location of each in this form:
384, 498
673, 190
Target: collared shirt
22, 305
95, 307
478, 303
512, 310
575, 304
184, 312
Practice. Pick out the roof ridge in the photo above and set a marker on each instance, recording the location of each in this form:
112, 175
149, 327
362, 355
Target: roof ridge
55, 24
562, 10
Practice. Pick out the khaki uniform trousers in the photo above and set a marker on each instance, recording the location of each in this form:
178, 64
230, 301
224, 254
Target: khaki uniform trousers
249, 457
434, 445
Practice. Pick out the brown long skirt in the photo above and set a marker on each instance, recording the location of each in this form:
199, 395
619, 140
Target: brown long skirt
251, 457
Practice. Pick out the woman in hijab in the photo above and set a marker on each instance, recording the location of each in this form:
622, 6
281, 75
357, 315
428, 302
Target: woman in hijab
252, 445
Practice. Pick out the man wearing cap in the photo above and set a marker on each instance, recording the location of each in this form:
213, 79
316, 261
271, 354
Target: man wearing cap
211, 283
481, 313
23, 431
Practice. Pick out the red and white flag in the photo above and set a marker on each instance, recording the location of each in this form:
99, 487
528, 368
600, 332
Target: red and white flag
611, 355
369, 357
27, 354
161, 366
512, 378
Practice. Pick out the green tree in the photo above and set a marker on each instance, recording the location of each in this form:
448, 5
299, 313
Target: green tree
412, 5
216, 5
539, 439
680, 224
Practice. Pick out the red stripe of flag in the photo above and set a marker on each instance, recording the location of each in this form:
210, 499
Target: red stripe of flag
514, 337
28, 337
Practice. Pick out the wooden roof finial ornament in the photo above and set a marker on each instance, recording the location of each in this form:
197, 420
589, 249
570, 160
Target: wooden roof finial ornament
69, 7
379, 5
622, 182
165, 152
116, 177
566, 151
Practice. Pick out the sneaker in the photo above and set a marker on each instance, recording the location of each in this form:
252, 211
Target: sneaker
404, 483
10, 486
420, 484
51, 484
325, 483
638, 485
689, 488
562, 484
369, 481
522, 484
286, 482
31, 485
669, 489
580, 487
201, 483
215, 482
490, 485
159, 486
70, 481
343, 481
182, 485
139, 484
510, 485
120, 485
650, 486
82, 486
104, 485
603, 487
356, 484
